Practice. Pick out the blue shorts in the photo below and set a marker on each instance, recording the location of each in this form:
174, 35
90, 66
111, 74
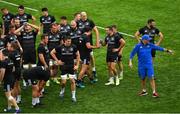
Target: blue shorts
146, 70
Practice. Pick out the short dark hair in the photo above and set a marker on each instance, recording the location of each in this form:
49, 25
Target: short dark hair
20, 7
110, 28
76, 14
2, 9
44, 9
43, 36
64, 17
14, 45
114, 26
150, 21
66, 38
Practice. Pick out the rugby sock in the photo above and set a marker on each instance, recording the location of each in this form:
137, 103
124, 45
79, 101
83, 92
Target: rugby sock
37, 100
33, 101
18, 98
9, 107
144, 90
24, 83
94, 69
62, 90
17, 108
121, 73
73, 94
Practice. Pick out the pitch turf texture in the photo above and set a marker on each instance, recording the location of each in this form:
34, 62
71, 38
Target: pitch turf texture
128, 15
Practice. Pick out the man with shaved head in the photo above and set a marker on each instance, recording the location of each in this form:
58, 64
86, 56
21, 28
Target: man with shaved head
82, 24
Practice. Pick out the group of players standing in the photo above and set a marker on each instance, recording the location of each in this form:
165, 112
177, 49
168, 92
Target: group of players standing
65, 46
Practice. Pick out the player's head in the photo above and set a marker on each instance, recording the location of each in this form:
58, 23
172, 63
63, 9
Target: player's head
27, 28
4, 11
21, 9
63, 20
44, 38
54, 27
83, 15
12, 28
114, 27
44, 11
67, 41
151, 23
16, 22
109, 30
77, 16
12, 46
73, 24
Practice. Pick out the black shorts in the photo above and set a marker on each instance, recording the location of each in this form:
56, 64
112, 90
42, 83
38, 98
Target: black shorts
111, 57
85, 60
45, 75
153, 53
9, 83
29, 56
17, 74
119, 57
67, 69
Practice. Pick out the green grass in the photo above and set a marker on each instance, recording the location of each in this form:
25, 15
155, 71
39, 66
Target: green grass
129, 16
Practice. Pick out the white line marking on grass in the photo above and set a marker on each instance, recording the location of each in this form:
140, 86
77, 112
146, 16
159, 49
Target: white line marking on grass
18, 5
10, 3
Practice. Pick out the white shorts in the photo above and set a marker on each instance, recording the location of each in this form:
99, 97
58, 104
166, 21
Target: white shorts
27, 66
64, 77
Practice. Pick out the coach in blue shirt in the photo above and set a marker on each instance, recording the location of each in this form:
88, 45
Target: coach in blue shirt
145, 62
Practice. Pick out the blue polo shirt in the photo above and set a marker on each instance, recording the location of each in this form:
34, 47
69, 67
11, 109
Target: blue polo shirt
144, 53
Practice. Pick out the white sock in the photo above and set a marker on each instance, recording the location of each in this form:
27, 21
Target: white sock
9, 107
42, 90
62, 90
121, 73
33, 101
154, 91
94, 69
24, 83
73, 94
19, 97
17, 108
37, 100
144, 90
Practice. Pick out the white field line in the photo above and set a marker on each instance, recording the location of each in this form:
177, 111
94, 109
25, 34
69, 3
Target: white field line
18, 5
32, 9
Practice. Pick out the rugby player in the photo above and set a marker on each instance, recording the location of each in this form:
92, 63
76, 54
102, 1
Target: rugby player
24, 17
15, 56
113, 48
119, 61
7, 18
46, 20
82, 24
67, 53
64, 27
85, 49
28, 40
152, 31
55, 39
37, 77
6, 73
